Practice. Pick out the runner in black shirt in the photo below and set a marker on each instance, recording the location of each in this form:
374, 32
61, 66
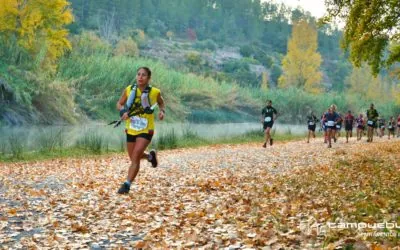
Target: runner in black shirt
268, 116
312, 123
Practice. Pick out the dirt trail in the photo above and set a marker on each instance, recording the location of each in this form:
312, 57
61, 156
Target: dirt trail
182, 203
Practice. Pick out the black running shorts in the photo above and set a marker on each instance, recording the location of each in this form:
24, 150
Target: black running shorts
349, 127
268, 125
312, 127
132, 138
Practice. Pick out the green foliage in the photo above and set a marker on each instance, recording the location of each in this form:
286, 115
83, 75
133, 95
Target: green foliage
205, 44
235, 65
88, 43
193, 58
126, 47
370, 27
276, 72
246, 50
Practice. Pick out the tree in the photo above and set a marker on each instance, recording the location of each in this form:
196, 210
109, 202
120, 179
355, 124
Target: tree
37, 26
126, 47
302, 61
370, 26
361, 81
264, 81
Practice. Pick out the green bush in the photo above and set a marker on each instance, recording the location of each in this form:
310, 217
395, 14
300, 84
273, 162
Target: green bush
235, 65
246, 50
205, 44
193, 58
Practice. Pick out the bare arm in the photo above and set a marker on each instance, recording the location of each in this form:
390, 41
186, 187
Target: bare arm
161, 104
120, 105
122, 100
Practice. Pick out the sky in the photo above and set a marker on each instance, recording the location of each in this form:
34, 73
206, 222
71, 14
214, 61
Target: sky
315, 7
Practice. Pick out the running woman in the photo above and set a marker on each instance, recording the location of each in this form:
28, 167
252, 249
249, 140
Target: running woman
268, 116
324, 127
372, 116
136, 108
337, 123
331, 119
360, 126
382, 126
312, 123
348, 124
391, 127
398, 126
339, 126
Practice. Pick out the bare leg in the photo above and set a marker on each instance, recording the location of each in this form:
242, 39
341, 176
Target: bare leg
267, 135
370, 133
135, 154
329, 137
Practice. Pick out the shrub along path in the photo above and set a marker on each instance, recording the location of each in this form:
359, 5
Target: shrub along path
236, 196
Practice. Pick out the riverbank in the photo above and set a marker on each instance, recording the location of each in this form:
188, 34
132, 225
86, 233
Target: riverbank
54, 144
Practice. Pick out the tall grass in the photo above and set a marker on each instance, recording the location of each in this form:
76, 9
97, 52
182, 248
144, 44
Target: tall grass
16, 143
167, 140
3, 147
50, 140
92, 141
100, 80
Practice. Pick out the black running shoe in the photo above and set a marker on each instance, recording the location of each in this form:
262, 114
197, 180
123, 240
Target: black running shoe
124, 189
264, 145
154, 162
271, 141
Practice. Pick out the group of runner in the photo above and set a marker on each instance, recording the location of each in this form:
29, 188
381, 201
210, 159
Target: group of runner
331, 123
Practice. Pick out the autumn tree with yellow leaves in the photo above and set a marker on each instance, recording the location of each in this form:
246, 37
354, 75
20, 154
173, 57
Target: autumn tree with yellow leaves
35, 30
361, 81
301, 65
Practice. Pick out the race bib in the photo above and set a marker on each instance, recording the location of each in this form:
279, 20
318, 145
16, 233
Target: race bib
268, 119
370, 123
138, 123
337, 126
311, 123
390, 127
382, 126
330, 123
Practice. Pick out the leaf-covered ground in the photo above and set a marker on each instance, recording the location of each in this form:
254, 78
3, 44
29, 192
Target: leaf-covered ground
241, 196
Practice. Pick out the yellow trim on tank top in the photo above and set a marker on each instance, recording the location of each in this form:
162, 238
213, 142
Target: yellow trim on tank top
150, 117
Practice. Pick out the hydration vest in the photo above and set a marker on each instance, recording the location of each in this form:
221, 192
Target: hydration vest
141, 107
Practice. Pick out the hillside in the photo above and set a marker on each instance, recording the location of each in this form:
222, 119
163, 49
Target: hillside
212, 64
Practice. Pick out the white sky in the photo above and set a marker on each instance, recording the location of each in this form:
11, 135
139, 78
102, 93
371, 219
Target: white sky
315, 7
